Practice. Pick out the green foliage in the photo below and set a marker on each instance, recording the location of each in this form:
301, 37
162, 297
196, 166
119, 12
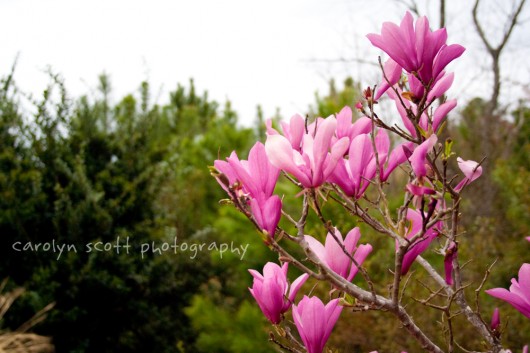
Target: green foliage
86, 170
224, 329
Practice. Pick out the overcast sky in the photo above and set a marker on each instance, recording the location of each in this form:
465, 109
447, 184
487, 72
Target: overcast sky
276, 53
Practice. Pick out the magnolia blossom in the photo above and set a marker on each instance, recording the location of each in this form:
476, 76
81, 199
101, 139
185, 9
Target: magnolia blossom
420, 245
257, 178
353, 174
392, 74
495, 320
416, 49
419, 190
271, 290
345, 127
332, 253
471, 170
429, 124
294, 131
519, 294
315, 321
389, 160
317, 157
267, 214
418, 159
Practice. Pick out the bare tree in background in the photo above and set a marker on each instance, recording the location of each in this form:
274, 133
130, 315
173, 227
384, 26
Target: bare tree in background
496, 51
489, 134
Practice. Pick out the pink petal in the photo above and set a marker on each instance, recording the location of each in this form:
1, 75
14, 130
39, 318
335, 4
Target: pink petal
321, 146
514, 300
316, 247
267, 214
363, 125
332, 313
446, 54
297, 130
280, 154
296, 285
256, 274
382, 145
397, 157
360, 256
344, 123
441, 87
392, 71
495, 319
441, 112
419, 190
337, 151
416, 87
418, 159
524, 281
270, 129
470, 168
341, 177
359, 156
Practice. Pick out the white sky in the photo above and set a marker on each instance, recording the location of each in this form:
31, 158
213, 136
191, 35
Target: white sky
251, 52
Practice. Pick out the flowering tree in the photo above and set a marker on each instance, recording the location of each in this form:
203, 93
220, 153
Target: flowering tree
349, 163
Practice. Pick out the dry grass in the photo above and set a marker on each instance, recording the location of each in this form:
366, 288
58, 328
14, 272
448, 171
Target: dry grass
20, 340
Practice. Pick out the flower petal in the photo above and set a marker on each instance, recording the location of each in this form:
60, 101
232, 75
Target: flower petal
418, 159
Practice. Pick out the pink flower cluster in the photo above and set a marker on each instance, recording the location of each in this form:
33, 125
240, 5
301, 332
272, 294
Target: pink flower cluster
254, 180
351, 155
313, 319
334, 150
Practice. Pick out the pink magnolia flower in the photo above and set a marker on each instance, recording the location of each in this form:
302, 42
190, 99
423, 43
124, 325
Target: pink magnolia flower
392, 71
316, 160
294, 131
257, 175
430, 125
353, 175
528, 238
420, 245
442, 84
225, 169
519, 294
315, 321
345, 127
419, 190
271, 290
471, 170
418, 159
416, 48
495, 320
333, 255
257, 178
267, 213
387, 163
441, 112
